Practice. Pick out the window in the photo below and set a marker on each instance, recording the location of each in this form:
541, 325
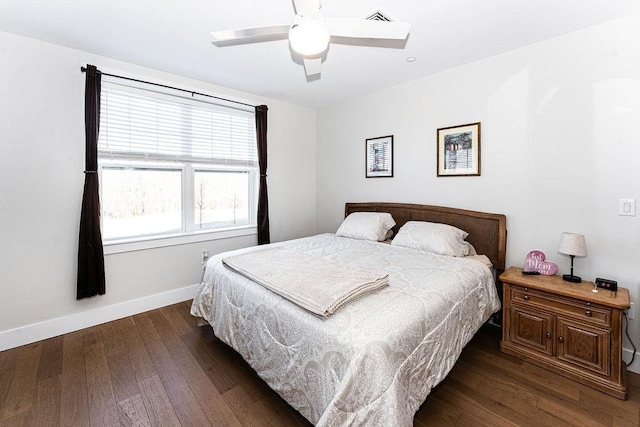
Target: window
221, 198
140, 201
171, 165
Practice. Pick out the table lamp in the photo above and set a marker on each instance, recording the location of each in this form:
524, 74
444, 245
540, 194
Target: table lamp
574, 245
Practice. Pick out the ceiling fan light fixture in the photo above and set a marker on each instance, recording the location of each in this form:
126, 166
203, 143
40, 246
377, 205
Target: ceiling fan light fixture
309, 36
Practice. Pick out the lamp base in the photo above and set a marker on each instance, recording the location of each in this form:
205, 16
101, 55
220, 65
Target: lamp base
571, 278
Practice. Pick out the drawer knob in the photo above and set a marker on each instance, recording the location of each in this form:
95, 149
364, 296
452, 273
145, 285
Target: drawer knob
526, 297
560, 339
588, 313
548, 334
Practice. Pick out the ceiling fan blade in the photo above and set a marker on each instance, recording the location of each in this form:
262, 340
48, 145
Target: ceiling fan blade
366, 29
312, 66
249, 33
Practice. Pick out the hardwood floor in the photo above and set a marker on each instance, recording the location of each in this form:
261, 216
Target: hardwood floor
159, 368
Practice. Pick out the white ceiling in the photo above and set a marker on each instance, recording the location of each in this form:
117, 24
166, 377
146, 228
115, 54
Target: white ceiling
174, 36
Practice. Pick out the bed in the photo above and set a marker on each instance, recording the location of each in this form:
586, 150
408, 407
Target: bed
375, 360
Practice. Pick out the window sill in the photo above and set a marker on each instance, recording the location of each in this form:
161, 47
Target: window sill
131, 245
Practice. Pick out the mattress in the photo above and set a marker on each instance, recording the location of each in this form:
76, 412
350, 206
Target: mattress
375, 360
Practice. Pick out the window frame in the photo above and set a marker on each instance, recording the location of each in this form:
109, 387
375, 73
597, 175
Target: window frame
188, 233
252, 193
124, 164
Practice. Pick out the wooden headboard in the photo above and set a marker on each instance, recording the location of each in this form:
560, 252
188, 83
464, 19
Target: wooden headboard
487, 231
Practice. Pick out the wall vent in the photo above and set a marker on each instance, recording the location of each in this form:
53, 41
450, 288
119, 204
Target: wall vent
378, 15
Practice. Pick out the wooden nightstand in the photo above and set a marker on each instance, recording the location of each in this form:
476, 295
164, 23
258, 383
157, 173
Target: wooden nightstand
566, 328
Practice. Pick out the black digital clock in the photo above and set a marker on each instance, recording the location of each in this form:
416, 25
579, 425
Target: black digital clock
610, 285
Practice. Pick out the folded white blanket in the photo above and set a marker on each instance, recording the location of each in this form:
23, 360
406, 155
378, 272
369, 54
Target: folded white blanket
315, 284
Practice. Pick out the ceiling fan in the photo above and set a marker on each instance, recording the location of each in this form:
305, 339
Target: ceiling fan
310, 33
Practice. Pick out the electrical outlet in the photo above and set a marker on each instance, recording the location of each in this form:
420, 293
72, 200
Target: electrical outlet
627, 207
631, 311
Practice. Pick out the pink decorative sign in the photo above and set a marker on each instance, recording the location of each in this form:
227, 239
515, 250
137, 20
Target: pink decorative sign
536, 261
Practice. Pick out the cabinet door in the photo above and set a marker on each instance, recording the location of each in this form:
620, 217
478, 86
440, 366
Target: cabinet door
531, 328
583, 345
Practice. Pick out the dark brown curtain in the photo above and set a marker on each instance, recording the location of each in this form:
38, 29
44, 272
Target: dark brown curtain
263, 199
90, 251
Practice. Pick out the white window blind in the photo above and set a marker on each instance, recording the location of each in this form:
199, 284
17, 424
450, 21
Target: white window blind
135, 126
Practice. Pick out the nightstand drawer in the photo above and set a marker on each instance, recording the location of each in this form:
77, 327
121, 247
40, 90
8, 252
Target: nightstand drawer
584, 311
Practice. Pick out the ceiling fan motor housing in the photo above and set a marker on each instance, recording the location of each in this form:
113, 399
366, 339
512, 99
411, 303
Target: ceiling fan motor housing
309, 36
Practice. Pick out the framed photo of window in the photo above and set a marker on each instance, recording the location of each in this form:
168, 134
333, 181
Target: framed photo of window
458, 150
379, 157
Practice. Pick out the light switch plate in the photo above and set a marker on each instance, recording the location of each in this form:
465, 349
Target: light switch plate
627, 207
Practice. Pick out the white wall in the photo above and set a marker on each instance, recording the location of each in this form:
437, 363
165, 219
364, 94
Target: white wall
41, 179
560, 123
560, 146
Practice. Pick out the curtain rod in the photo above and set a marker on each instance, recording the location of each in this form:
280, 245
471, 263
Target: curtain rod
84, 69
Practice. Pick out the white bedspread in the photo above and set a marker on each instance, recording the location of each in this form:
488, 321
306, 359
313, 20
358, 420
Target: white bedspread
375, 360
326, 285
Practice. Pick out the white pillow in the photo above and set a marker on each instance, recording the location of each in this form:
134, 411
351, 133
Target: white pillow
366, 226
441, 239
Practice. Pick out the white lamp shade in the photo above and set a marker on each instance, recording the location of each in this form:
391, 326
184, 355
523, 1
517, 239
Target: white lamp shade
309, 36
573, 244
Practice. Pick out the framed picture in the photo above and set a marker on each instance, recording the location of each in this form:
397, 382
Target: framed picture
458, 150
379, 157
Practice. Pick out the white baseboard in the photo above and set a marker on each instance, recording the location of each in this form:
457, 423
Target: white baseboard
627, 355
74, 322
